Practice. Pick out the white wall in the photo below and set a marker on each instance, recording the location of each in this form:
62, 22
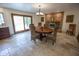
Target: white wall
1, 10
38, 19
8, 19
76, 20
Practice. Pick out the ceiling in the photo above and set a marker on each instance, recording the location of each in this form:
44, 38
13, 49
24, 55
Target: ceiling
45, 7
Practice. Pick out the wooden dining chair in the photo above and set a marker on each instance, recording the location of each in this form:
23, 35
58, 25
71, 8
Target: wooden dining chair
78, 37
72, 29
34, 35
53, 36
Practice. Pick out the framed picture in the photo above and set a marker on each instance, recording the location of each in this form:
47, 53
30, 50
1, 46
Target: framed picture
42, 19
69, 18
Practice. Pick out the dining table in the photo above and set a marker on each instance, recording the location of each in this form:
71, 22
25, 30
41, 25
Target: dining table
43, 31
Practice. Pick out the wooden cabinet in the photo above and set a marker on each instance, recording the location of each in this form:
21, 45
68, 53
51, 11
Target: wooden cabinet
55, 17
4, 33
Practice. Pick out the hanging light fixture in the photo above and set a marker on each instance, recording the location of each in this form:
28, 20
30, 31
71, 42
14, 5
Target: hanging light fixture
39, 13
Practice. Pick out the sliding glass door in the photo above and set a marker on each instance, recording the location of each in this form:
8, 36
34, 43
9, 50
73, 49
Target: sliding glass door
21, 23
18, 23
27, 22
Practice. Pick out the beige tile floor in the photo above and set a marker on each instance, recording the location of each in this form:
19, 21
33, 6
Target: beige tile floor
21, 45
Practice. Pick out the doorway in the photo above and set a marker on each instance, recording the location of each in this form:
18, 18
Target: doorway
21, 22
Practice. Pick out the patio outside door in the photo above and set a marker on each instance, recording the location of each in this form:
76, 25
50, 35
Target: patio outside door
27, 21
21, 23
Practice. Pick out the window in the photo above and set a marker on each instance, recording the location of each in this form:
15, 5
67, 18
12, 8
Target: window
1, 19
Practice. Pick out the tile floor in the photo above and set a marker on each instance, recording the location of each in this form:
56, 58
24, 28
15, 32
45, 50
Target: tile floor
21, 45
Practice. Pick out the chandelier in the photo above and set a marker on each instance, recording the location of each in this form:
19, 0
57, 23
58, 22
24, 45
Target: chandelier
39, 13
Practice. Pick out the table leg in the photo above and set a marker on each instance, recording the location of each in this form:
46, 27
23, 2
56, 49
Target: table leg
41, 36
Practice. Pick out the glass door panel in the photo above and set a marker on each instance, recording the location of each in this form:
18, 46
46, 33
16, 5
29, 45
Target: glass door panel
27, 22
18, 23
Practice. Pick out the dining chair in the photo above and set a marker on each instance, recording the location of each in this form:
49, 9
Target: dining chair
52, 36
39, 25
34, 35
78, 37
71, 30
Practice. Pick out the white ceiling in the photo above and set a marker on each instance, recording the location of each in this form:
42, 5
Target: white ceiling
45, 7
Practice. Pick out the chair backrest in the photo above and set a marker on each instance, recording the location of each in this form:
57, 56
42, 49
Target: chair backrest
55, 31
72, 27
32, 28
45, 26
78, 37
39, 24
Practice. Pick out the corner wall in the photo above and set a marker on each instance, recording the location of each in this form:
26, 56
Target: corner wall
76, 20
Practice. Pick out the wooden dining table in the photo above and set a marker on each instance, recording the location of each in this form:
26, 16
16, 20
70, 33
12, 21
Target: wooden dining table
43, 31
